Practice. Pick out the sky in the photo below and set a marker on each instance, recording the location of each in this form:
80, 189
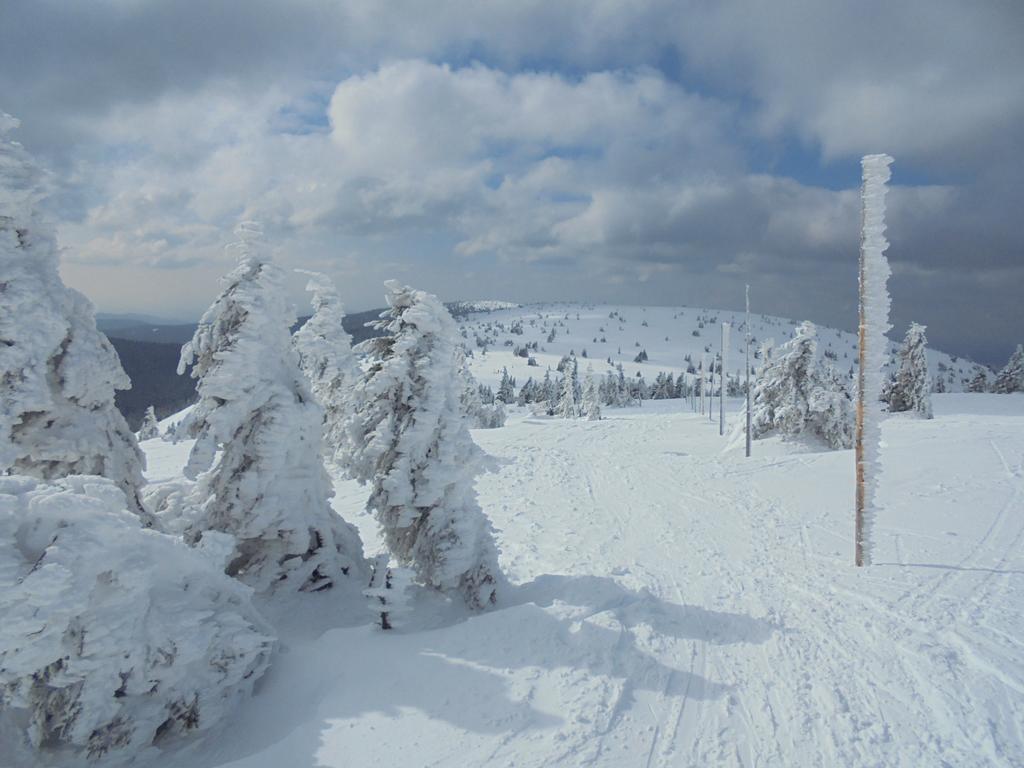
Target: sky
649, 152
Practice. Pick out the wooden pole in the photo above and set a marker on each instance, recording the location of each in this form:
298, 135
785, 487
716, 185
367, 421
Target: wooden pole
862, 333
747, 363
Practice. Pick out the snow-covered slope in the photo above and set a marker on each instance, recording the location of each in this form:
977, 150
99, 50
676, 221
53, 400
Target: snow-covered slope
668, 334
677, 604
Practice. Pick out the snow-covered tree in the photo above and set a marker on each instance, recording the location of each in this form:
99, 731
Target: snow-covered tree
480, 414
910, 387
408, 438
325, 354
591, 398
268, 487
58, 373
979, 383
567, 408
831, 409
1011, 377
114, 638
150, 426
506, 389
793, 395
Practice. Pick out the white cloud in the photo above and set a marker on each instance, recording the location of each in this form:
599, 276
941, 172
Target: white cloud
613, 142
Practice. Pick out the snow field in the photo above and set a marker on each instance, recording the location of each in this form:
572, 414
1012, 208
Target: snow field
627, 328
677, 605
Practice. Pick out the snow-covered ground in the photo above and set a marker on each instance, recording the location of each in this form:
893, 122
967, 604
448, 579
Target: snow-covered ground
619, 332
677, 604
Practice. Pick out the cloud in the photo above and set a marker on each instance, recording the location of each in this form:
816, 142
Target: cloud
936, 82
650, 151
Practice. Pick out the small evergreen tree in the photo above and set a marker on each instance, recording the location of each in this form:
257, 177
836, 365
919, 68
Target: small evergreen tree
567, 408
506, 389
325, 354
150, 426
1011, 377
794, 396
909, 389
408, 438
591, 397
979, 383
479, 414
268, 487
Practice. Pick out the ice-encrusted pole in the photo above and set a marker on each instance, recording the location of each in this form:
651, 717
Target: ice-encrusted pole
747, 372
711, 390
721, 380
874, 323
703, 372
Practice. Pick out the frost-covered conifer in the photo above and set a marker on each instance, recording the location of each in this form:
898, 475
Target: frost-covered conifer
58, 373
567, 408
408, 438
1011, 377
831, 409
150, 426
113, 638
591, 397
979, 383
325, 354
480, 415
526, 393
910, 387
551, 394
793, 395
268, 487
506, 389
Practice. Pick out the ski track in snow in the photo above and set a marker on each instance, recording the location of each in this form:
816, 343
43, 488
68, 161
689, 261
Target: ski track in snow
680, 605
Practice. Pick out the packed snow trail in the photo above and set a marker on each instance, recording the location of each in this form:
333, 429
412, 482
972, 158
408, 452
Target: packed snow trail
680, 605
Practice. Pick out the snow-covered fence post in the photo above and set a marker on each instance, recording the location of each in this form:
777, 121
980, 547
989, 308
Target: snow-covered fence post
747, 364
873, 348
721, 380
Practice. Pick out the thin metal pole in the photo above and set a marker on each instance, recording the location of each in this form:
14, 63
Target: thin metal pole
711, 388
721, 380
702, 375
747, 364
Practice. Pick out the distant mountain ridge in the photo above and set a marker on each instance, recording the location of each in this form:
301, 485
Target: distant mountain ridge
149, 352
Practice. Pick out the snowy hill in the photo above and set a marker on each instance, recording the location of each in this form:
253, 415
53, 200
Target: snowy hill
676, 604
667, 334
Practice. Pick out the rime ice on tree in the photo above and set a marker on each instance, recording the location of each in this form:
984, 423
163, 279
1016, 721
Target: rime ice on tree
408, 438
150, 426
910, 387
325, 354
874, 324
268, 488
795, 395
1011, 377
113, 638
591, 397
567, 403
58, 373
481, 415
